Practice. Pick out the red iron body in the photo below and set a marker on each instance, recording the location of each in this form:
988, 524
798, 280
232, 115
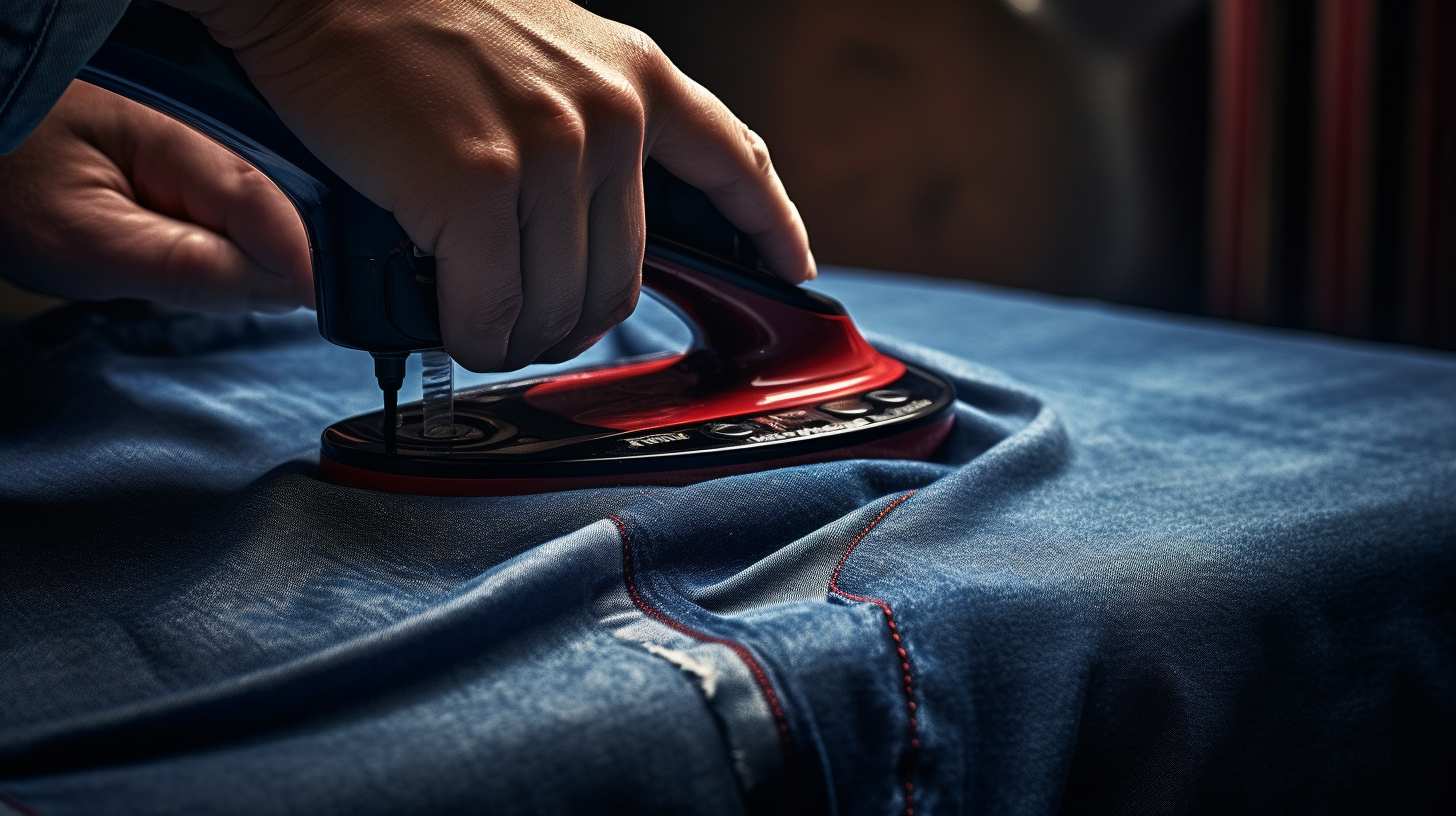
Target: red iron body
775, 376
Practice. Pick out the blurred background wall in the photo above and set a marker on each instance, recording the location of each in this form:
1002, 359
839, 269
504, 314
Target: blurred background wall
1286, 163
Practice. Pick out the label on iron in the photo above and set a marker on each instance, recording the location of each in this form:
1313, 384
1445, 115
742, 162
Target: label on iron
656, 439
901, 410
858, 422
790, 420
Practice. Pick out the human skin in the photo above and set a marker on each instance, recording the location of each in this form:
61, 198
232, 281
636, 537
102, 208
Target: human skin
507, 137
110, 199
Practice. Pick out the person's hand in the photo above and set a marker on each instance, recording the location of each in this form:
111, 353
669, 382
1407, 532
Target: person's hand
110, 199
507, 137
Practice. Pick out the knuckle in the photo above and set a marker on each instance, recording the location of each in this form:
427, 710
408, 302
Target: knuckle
489, 163
254, 193
252, 183
758, 153
641, 50
615, 104
554, 127
566, 136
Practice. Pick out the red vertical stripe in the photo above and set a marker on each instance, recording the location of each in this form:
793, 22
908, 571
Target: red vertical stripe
1340, 275
1235, 257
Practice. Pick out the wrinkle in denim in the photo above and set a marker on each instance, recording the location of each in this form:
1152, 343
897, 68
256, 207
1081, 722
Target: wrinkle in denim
1161, 564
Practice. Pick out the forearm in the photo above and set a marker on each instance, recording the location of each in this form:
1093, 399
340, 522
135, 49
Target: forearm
42, 47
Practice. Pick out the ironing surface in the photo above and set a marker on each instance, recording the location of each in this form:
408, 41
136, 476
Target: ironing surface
1159, 564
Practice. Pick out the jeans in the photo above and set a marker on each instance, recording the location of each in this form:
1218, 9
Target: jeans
1160, 565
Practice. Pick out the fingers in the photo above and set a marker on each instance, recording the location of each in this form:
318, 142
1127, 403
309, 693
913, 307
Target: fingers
140, 253
115, 200
478, 267
553, 267
178, 172
701, 142
579, 273
614, 278
545, 286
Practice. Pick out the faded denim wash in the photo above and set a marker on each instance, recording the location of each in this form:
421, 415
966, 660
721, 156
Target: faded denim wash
1162, 565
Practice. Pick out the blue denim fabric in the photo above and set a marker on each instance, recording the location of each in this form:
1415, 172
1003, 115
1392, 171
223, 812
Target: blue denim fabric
43, 43
1170, 566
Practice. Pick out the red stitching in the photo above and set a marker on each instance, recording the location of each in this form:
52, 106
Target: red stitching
911, 754
760, 677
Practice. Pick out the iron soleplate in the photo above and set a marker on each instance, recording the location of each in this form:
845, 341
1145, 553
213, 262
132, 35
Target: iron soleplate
513, 445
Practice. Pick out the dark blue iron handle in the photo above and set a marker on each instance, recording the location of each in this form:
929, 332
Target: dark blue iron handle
371, 291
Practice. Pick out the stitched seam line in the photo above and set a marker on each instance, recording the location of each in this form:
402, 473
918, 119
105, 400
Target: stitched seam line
755, 668
910, 756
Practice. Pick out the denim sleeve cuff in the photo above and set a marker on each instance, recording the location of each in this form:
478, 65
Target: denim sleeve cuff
42, 46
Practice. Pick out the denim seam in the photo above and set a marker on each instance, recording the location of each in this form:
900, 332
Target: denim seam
910, 756
743, 653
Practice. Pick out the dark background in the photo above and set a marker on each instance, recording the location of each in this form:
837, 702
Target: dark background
1283, 163
1279, 163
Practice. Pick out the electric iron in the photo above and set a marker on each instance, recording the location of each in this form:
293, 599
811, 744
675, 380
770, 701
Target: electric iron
775, 375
